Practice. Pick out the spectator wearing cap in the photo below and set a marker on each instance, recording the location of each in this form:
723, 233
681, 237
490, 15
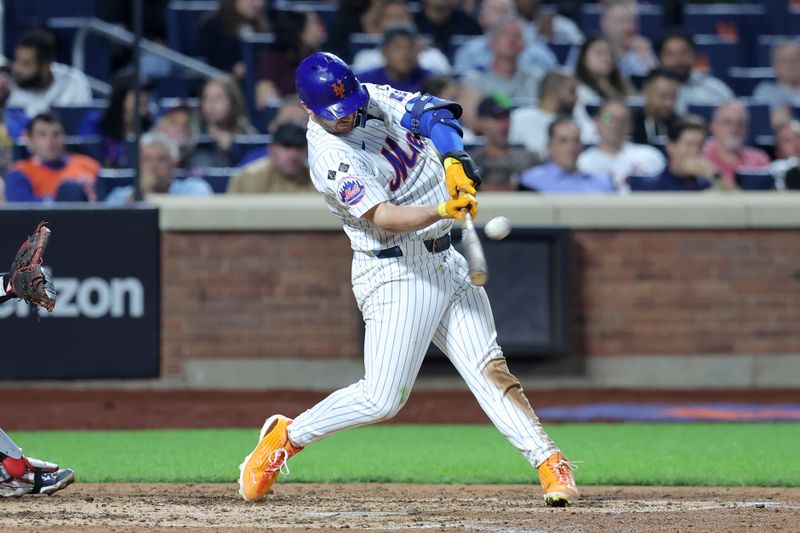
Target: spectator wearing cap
651, 123
177, 123
158, 161
501, 164
726, 149
676, 52
476, 53
614, 154
39, 82
687, 170
51, 173
442, 19
557, 96
395, 13
505, 74
284, 169
402, 70
561, 173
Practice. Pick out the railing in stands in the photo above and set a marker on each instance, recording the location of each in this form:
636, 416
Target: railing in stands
119, 35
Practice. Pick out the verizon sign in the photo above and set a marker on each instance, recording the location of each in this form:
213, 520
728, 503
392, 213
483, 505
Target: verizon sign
105, 267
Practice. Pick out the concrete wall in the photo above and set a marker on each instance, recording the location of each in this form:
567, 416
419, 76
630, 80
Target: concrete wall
676, 291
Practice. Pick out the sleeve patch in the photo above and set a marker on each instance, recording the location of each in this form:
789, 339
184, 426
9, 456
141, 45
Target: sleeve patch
351, 191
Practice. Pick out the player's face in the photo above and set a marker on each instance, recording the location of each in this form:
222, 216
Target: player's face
340, 126
47, 141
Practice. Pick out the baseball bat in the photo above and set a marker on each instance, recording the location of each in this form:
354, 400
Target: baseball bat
478, 270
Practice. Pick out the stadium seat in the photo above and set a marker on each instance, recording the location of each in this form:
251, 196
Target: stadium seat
260, 118
743, 81
109, 179
73, 117
651, 19
182, 19
218, 177
760, 122
755, 180
456, 41
734, 21
362, 41
252, 46
22, 14
719, 54
327, 12
562, 51
776, 19
766, 43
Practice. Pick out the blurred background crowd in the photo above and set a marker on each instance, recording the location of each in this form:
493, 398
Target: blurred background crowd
613, 97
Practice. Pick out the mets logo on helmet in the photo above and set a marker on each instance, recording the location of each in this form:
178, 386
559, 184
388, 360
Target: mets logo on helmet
338, 89
351, 191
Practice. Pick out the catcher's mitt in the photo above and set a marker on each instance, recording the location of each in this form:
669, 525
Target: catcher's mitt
26, 276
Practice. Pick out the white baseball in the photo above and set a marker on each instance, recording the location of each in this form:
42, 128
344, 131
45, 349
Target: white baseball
498, 228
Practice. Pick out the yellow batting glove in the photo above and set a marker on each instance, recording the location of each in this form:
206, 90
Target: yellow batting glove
457, 180
456, 207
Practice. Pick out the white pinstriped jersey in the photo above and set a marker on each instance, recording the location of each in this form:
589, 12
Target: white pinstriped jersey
379, 162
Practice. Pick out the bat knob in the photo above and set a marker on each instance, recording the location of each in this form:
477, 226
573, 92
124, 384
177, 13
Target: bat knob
479, 279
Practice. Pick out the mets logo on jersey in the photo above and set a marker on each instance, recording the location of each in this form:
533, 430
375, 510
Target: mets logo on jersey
351, 191
338, 89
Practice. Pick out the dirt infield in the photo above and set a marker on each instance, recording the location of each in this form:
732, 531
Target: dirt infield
495, 508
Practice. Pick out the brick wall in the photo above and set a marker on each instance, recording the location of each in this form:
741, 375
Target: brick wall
284, 294
687, 292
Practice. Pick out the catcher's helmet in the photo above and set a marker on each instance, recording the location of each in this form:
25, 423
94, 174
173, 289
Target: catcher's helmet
328, 87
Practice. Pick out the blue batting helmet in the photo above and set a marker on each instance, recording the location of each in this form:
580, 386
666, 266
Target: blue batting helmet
328, 87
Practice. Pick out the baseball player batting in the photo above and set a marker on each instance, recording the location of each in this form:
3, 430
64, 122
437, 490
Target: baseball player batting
20, 475
374, 155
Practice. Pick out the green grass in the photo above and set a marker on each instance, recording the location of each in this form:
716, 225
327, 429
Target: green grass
739, 454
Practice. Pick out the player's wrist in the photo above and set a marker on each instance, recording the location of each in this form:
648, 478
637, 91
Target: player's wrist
441, 209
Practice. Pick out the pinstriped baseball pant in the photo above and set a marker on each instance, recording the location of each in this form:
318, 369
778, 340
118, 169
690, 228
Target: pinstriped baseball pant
407, 302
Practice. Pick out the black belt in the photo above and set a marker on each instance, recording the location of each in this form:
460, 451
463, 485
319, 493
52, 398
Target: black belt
432, 245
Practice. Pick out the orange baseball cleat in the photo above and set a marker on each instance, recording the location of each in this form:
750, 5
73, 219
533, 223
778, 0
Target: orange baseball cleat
558, 483
260, 469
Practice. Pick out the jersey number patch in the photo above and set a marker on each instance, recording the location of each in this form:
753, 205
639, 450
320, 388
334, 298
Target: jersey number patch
401, 161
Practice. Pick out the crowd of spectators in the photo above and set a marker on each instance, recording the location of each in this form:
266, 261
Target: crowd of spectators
549, 106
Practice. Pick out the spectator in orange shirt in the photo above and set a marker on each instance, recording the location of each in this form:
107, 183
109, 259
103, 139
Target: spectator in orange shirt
51, 173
